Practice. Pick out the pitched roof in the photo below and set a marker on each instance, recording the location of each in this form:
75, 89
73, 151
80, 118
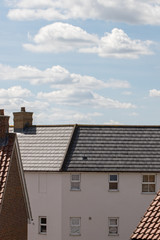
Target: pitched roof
6, 153
43, 148
5, 158
114, 148
149, 226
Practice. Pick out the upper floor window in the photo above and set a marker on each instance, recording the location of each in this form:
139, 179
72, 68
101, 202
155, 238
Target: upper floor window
113, 226
113, 182
43, 225
148, 183
75, 226
75, 182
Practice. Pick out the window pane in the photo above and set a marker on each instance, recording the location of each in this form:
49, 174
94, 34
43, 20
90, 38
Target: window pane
113, 230
113, 186
144, 187
75, 230
75, 185
75, 221
75, 177
113, 177
151, 178
43, 229
113, 221
145, 178
151, 187
43, 220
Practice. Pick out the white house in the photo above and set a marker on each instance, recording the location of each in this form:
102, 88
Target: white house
88, 182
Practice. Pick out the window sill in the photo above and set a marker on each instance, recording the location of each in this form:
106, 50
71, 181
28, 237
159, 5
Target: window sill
113, 190
113, 235
148, 193
73, 190
75, 235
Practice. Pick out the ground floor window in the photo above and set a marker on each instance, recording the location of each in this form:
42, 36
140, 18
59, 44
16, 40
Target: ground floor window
75, 226
113, 225
43, 225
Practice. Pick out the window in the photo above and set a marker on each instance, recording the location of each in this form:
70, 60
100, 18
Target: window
113, 182
75, 182
42, 225
75, 224
113, 226
148, 183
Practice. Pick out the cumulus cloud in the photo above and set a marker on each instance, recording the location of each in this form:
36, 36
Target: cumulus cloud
57, 77
154, 93
66, 116
127, 11
15, 92
80, 97
63, 37
117, 44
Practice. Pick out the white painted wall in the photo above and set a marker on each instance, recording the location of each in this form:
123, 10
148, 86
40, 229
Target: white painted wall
45, 195
55, 200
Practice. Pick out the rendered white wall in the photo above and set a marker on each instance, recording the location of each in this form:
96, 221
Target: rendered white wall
53, 198
95, 201
45, 203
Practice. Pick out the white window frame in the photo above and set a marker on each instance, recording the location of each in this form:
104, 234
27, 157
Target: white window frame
42, 225
113, 181
75, 182
75, 229
148, 183
116, 226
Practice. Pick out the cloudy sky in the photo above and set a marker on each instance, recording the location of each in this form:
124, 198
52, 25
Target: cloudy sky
81, 61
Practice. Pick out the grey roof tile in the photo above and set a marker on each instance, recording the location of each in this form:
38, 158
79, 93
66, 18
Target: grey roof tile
114, 148
43, 148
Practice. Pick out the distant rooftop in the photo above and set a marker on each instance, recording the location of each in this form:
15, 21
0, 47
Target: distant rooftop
98, 148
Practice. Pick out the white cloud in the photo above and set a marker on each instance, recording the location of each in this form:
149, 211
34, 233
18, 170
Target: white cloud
154, 93
15, 92
80, 97
117, 44
57, 77
62, 37
65, 116
127, 11
112, 122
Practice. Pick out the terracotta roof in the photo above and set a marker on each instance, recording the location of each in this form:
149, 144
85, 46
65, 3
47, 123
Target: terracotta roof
5, 158
149, 226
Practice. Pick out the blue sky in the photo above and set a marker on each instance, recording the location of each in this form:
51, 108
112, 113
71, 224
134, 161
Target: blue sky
76, 61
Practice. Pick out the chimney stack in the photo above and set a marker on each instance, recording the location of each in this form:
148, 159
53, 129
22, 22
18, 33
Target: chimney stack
4, 127
22, 120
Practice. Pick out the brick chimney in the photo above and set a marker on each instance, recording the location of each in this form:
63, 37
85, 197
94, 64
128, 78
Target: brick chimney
22, 120
4, 127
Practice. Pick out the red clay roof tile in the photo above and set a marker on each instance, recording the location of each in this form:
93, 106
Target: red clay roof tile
149, 227
5, 158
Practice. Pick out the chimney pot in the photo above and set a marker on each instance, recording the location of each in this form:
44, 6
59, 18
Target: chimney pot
4, 127
2, 112
23, 109
22, 120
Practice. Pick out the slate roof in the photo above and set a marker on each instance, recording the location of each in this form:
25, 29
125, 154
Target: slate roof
149, 226
5, 158
114, 148
43, 148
